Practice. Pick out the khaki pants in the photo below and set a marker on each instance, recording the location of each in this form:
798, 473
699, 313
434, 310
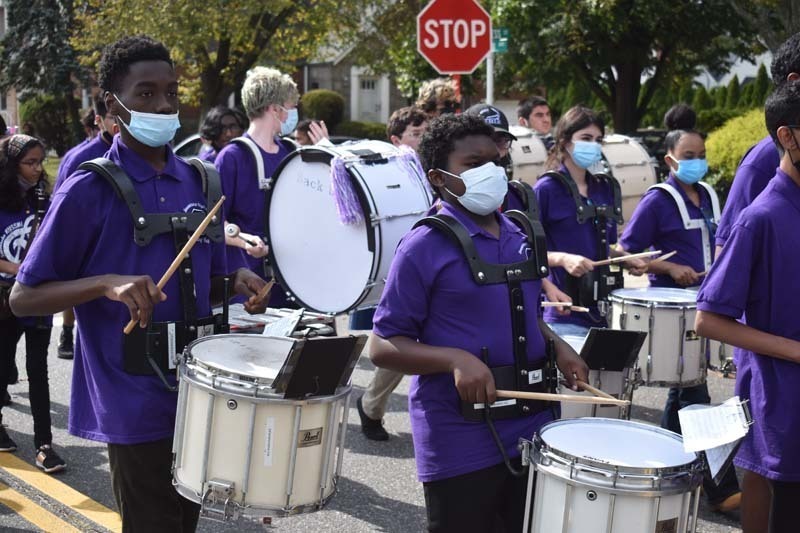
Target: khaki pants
377, 394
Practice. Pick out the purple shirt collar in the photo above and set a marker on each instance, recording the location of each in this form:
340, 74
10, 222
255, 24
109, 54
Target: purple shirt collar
137, 168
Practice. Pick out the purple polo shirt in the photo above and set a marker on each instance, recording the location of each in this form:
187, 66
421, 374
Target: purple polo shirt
756, 275
15, 230
753, 174
209, 155
430, 296
656, 223
85, 151
88, 231
564, 234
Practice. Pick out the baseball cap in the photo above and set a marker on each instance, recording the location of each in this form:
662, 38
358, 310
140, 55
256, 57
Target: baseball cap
493, 117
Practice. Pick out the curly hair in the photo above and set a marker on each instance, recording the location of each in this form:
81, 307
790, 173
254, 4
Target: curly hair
402, 119
436, 91
782, 108
119, 56
575, 119
12, 196
439, 139
265, 86
786, 60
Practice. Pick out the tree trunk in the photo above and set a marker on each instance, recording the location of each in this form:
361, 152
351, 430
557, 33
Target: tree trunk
626, 118
73, 111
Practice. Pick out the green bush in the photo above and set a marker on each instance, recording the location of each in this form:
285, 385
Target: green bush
322, 104
362, 130
711, 119
47, 116
727, 145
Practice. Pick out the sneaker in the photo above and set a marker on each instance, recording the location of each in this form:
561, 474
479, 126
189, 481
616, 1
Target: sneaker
48, 460
66, 348
6, 444
731, 503
373, 429
7, 400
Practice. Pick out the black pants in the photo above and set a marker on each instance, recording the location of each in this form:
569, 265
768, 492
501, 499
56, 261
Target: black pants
484, 501
141, 479
678, 399
783, 512
37, 340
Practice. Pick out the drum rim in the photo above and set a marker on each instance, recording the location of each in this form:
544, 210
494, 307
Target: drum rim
229, 374
616, 296
374, 235
543, 447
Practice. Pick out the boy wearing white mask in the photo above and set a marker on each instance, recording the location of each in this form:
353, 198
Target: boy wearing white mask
451, 328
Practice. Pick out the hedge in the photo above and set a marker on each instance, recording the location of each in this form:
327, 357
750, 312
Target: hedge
322, 104
47, 115
362, 130
727, 145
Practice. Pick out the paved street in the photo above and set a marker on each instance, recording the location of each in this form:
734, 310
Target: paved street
378, 492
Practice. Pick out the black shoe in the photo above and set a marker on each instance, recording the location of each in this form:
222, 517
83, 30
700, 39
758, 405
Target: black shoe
48, 460
6, 443
13, 374
66, 349
373, 429
7, 399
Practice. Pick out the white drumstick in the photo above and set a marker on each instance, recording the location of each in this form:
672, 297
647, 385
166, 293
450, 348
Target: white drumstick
232, 231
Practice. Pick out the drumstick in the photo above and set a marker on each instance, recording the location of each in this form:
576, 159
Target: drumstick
182, 254
594, 390
233, 231
548, 397
664, 257
623, 258
576, 308
265, 290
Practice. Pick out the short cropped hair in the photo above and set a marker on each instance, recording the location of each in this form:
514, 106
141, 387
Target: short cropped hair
402, 119
87, 120
439, 139
525, 107
782, 109
99, 105
680, 117
119, 56
786, 60
265, 86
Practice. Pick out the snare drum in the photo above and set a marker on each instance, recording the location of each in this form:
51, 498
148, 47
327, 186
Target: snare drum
672, 355
597, 475
617, 384
322, 263
528, 155
241, 449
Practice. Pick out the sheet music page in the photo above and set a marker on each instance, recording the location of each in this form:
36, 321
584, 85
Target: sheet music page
716, 457
284, 326
705, 427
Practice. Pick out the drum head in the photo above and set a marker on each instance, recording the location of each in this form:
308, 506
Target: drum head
251, 356
658, 295
617, 442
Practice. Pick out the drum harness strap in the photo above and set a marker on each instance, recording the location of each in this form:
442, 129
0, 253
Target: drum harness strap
594, 287
153, 351
526, 195
707, 225
521, 376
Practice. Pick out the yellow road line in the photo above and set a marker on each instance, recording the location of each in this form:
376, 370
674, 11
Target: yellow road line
61, 492
33, 513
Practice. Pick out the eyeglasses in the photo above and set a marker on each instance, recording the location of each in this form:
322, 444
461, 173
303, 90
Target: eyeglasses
231, 128
503, 142
33, 163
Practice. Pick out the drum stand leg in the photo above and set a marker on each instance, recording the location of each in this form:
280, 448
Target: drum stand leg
695, 508
611, 505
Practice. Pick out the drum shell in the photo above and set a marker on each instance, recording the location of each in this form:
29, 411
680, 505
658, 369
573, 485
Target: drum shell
627, 160
587, 495
528, 155
617, 384
283, 456
659, 357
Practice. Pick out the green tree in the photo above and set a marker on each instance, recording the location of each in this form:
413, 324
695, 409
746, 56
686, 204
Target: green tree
774, 20
734, 93
702, 100
610, 45
761, 87
720, 95
216, 43
35, 54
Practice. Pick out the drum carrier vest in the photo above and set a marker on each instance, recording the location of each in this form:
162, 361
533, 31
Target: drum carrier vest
525, 194
707, 225
593, 288
154, 351
522, 375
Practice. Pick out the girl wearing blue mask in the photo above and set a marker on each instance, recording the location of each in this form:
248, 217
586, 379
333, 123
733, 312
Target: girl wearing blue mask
681, 214
580, 212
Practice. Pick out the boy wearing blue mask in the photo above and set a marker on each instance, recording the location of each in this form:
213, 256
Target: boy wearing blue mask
682, 215
91, 254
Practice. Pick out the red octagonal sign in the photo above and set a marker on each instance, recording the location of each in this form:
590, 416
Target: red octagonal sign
454, 35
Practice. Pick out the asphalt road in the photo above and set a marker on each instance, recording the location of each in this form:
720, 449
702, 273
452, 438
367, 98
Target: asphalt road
378, 490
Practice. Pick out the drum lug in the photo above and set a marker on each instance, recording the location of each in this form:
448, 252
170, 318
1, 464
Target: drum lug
524, 447
217, 504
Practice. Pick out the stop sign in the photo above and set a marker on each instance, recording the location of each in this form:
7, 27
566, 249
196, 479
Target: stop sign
454, 35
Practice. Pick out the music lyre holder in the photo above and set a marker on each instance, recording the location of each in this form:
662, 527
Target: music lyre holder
612, 350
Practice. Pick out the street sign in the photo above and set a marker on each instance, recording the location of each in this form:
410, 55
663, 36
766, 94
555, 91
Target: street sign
500, 38
454, 35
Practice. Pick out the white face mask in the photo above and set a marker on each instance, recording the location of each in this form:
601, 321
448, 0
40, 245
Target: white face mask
487, 186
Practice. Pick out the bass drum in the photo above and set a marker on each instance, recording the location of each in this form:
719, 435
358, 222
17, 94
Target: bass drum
528, 155
327, 265
627, 160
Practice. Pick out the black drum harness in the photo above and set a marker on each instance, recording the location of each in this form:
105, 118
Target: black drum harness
525, 193
153, 351
522, 375
594, 287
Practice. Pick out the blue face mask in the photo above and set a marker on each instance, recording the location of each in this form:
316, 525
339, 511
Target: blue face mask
152, 129
586, 153
291, 121
691, 171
